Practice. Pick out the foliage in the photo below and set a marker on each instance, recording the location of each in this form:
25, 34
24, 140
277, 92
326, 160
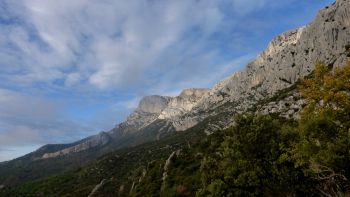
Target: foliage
250, 160
324, 128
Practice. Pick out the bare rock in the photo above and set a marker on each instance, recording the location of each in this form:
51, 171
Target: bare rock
98, 140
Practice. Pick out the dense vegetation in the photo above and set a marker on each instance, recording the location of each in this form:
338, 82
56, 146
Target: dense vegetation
260, 155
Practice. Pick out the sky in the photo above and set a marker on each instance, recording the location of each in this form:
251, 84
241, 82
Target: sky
73, 68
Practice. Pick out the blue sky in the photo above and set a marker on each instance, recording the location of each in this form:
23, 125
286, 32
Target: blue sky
70, 69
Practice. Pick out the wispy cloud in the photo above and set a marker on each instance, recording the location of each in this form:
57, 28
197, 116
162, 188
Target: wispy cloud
110, 44
80, 44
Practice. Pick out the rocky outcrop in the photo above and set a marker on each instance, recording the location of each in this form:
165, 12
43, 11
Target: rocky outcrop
288, 107
148, 110
92, 142
183, 103
97, 188
170, 109
153, 104
167, 165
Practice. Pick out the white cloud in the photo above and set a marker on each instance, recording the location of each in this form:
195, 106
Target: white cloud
108, 44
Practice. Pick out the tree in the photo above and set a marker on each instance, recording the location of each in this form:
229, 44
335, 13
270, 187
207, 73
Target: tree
251, 160
323, 149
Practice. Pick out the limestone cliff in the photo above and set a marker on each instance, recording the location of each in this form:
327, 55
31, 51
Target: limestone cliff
152, 108
183, 103
288, 57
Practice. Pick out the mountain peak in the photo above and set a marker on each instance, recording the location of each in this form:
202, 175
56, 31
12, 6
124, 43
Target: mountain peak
153, 104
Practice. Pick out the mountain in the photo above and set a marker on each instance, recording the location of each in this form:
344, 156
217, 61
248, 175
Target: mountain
160, 108
266, 85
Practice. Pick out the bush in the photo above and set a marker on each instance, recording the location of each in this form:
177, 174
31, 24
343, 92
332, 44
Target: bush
251, 160
323, 149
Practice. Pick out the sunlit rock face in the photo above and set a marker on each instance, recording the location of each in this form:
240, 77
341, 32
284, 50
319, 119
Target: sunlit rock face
152, 108
183, 103
289, 57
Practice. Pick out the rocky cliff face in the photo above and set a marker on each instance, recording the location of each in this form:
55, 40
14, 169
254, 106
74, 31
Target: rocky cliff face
183, 103
288, 58
147, 111
95, 141
152, 108
153, 104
